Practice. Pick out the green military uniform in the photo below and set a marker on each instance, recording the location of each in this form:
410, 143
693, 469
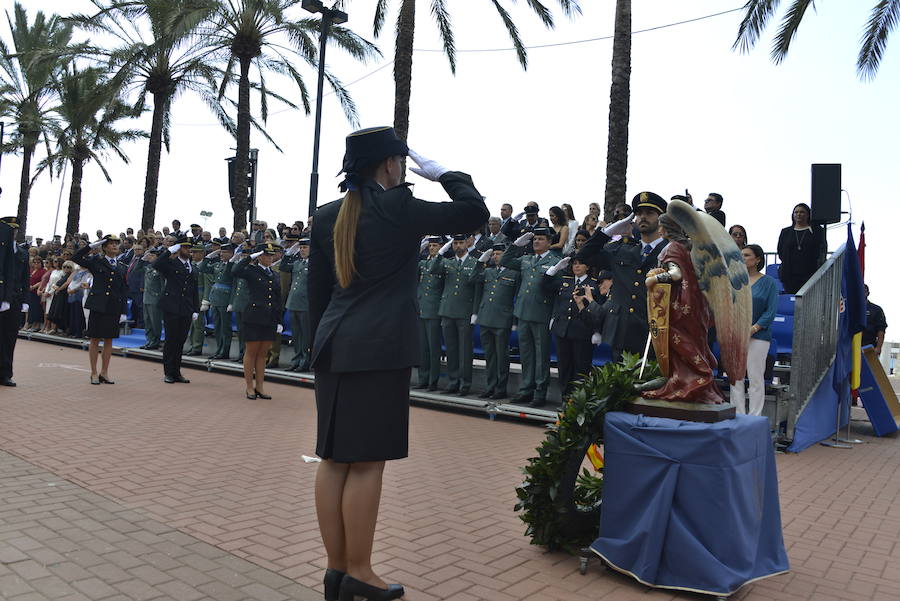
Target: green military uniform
240, 299
219, 296
153, 287
198, 326
428, 301
282, 273
532, 310
298, 305
458, 303
495, 320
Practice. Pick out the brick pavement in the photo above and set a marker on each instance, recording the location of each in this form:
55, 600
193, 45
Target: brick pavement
206, 463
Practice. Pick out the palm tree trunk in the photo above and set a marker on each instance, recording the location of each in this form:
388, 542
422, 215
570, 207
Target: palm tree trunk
151, 182
74, 218
24, 190
619, 100
242, 162
403, 55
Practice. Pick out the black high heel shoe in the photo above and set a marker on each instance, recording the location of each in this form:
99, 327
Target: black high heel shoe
332, 583
251, 396
353, 590
260, 395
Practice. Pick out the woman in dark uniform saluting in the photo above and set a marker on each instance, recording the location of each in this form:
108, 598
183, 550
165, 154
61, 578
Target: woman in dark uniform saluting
107, 301
362, 292
262, 318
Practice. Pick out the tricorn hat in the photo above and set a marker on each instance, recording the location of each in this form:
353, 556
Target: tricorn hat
12, 221
303, 242
460, 236
183, 241
542, 231
500, 246
532, 210
367, 147
649, 199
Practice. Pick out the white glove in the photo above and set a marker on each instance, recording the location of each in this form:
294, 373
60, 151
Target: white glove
4, 306
621, 227
423, 244
204, 306
24, 307
293, 250
174, 248
194, 316
430, 170
445, 247
562, 264
279, 328
145, 257
524, 239
256, 254
474, 319
228, 309
518, 216
97, 244
235, 257
514, 327
486, 257
123, 318
213, 254
595, 339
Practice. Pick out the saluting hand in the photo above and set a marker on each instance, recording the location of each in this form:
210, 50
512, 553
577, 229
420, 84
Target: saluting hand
97, 244
524, 239
430, 170
560, 265
486, 257
256, 254
174, 248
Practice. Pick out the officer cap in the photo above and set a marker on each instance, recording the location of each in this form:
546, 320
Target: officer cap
649, 199
542, 231
435, 240
291, 237
267, 248
605, 274
227, 246
500, 246
183, 241
195, 225
367, 147
197, 248
110, 238
531, 210
460, 236
303, 242
215, 241
12, 221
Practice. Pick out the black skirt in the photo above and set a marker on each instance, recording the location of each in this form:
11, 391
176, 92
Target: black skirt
102, 325
255, 332
363, 415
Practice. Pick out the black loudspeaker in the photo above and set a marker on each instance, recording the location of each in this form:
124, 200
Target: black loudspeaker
825, 201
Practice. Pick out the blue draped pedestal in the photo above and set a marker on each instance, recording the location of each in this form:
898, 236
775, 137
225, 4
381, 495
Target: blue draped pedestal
690, 506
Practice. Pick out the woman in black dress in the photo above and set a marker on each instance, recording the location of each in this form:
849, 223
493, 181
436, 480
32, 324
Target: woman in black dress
107, 301
262, 317
801, 248
362, 301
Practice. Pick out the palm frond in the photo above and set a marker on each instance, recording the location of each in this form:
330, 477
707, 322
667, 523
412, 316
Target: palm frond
756, 16
344, 98
439, 11
542, 12
884, 18
380, 14
788, 30
513, 32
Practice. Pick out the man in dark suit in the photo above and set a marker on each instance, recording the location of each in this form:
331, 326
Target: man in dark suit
624, 318
494, 234
180, 304
13, 288
713, 206
134, 279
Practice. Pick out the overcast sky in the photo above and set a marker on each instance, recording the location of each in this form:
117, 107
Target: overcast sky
702, 117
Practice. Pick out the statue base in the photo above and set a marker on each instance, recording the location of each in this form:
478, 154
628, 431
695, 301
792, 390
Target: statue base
691, 412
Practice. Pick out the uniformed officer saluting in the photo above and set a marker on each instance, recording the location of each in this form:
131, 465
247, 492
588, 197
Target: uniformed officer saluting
458, 304
262, 318
574, 335
495, 317
533, 306
180, 304
625, 314
13, 287
298, 302
107, 301
428, 302
218, 264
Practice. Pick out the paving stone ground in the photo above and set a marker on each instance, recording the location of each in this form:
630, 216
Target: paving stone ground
176, 489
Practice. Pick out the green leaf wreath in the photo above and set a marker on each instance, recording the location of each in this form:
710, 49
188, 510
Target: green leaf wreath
560, 505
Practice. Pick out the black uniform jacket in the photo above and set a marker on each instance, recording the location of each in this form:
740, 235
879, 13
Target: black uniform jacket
13, 271
372, 324
264, 289
568, 321
180, 296
625, 319
109, 293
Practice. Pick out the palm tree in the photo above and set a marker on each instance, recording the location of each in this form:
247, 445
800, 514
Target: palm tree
883, 19
27, 68
157, 53
405, 34
260, 34
89, 109
619, 109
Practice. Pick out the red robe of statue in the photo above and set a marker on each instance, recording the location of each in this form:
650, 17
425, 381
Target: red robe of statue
690, 361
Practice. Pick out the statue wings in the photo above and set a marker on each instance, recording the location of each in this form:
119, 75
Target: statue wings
724, 281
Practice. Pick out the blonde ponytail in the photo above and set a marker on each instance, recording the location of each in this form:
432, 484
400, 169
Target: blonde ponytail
345, 237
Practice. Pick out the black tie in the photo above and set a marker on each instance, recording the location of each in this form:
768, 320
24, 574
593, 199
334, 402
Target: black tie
647, 250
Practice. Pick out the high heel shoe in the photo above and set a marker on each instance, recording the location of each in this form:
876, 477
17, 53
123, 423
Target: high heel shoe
260, 395
251, 396
105, 380
332, 584
95, 380
353, 589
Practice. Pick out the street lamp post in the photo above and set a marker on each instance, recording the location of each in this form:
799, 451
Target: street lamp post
330, 16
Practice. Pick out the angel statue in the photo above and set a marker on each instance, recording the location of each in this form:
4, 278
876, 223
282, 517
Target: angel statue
701, 278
